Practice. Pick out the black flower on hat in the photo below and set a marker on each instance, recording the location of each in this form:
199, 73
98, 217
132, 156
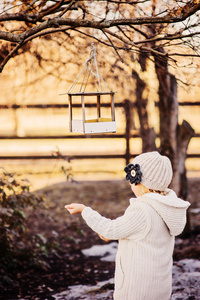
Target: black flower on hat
133, 173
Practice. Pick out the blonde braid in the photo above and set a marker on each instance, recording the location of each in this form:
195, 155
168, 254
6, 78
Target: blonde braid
145, 190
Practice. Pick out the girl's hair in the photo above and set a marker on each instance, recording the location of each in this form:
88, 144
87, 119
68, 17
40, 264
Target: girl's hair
145, 190
164, 193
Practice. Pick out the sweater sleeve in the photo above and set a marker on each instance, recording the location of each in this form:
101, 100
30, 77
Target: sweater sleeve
132, 223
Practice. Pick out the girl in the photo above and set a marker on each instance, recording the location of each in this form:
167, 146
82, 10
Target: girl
145, 232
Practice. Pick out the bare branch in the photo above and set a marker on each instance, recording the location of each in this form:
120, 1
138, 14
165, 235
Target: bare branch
123, 32
50, 10
7, 36
48, 31
184, 54
171, 17
113, 46
168, 37
142, 48
67, 8
6, 59
93, 37
139, 31
29, 6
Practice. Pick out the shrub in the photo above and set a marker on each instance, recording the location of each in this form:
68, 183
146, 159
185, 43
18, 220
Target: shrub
16, 243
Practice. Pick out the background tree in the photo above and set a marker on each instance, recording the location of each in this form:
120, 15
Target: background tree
161, 31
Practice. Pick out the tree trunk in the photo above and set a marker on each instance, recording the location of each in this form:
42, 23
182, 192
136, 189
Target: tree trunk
147, 134
174, 138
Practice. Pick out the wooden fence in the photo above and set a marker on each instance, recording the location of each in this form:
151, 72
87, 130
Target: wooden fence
127, 135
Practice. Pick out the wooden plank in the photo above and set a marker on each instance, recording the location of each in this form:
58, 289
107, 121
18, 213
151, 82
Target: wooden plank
70, 136
31, 106
33, 157
193, 155
185, 103
103, 156
59, 105
91, 94
100, 127
74, 136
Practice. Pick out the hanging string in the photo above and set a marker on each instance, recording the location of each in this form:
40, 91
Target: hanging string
94, 54
98, 74
88, 71
90, 60
77, 79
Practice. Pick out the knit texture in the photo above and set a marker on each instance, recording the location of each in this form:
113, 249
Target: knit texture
146, 242
156, 170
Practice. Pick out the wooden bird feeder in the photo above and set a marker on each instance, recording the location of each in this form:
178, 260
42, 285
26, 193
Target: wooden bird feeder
99, 124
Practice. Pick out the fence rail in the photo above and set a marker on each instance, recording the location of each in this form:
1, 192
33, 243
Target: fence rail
76, 105
71, 157
127, 135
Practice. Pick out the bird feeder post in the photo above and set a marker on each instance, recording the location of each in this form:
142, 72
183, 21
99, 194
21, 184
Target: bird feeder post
83, 111
98, 107
112, 107
70, 112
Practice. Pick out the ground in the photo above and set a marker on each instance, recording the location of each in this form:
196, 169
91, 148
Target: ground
67, 265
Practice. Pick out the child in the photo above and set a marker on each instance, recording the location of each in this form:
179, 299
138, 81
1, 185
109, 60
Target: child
145, 232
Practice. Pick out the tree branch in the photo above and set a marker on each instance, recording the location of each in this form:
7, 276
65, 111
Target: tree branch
67, 8
184, 54
142, 48
56, 22
52, 9
171, 17
113, 46
6, 59
168, 37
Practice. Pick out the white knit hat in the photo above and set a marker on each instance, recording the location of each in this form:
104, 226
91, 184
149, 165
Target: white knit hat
156, 170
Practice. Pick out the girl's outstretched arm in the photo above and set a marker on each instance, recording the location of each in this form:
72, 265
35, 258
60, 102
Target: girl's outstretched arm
75, 208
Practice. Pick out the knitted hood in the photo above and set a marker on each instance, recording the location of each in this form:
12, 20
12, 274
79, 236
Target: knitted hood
171, 209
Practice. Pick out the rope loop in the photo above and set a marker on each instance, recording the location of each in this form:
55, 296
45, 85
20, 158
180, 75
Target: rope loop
89, 68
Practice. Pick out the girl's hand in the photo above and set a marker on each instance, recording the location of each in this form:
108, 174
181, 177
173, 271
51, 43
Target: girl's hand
75, 208
103, 238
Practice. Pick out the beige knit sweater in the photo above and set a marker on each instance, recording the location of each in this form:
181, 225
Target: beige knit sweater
146, 241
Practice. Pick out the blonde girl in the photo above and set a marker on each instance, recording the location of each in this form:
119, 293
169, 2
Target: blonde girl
145, 232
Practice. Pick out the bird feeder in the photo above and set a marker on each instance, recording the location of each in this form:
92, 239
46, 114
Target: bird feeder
99, 124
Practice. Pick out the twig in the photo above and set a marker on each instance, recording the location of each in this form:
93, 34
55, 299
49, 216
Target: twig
66, 9
6, 59
113, 46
